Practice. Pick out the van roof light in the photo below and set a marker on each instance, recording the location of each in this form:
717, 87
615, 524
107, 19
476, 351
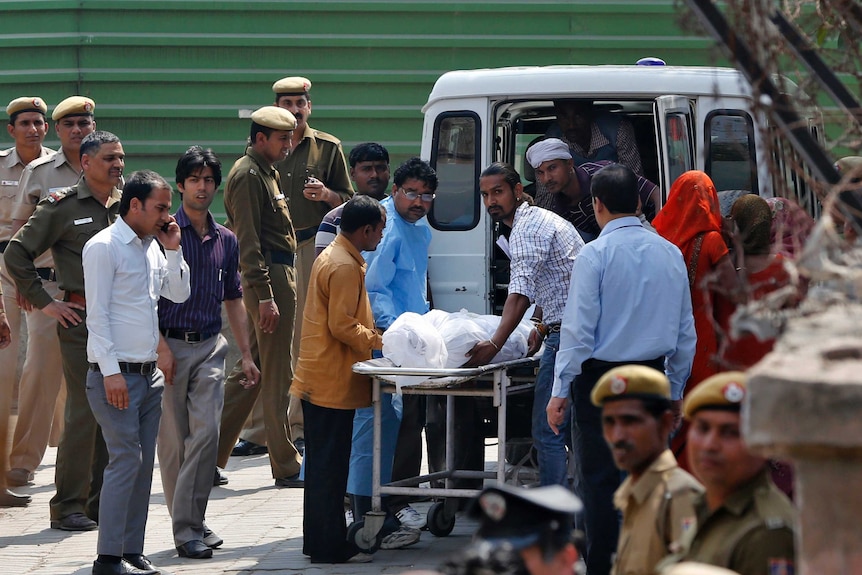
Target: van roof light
651, 61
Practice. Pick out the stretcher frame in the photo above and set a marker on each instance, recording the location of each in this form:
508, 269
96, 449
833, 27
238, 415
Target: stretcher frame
440, 382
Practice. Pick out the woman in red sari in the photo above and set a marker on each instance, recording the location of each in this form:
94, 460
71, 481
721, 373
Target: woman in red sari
691, 219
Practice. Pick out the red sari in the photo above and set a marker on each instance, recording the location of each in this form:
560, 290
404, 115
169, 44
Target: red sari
692, 212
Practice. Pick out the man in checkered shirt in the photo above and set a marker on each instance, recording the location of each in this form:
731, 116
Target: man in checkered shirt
543, 249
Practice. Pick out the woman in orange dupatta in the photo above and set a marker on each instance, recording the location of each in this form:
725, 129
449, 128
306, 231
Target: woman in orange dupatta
691, 220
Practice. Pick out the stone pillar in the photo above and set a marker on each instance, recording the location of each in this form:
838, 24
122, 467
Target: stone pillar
805, 405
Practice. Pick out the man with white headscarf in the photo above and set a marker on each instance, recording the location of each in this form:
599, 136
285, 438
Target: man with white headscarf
564, 188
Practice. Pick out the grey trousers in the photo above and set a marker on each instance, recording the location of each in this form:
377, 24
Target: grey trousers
188, 435
130, 436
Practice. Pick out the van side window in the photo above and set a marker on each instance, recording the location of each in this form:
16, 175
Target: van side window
678, 145
455, 156
730, 159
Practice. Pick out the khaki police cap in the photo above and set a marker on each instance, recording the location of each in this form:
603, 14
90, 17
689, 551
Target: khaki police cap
292, 85
27, 104
692, 568
849, 164
722, 391
74, 106
274, 117
630, 381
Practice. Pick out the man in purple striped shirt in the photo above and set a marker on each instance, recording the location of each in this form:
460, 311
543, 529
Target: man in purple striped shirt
192, 355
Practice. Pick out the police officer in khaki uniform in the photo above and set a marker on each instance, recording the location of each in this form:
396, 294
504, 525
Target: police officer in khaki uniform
315, 179
258, 214
43, 392
744, 523
27, 127
537, 524
63, 222
657, 498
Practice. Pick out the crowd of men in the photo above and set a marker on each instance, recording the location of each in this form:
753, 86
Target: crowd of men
122, 298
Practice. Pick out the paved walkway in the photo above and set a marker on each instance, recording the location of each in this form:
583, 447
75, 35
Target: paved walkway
260, 524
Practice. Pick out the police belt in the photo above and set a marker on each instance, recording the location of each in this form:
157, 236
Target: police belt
553, 327
279, 257
306, 233
187, 336
146, 368
47, 274
3, 246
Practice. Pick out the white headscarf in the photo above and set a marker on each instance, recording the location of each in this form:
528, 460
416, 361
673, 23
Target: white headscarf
550, 149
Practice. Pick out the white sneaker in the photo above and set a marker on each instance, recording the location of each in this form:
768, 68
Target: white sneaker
348, 517
409, 517
360, 558
404, 537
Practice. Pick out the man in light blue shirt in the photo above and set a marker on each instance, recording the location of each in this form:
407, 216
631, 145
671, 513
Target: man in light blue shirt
629, 302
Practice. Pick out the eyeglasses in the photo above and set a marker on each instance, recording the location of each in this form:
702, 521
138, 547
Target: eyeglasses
411, 195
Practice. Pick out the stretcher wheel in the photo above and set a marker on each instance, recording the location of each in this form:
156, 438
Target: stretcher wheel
355, 533
439, 523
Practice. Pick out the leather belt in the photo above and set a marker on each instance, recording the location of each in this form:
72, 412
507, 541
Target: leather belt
146, 368
74, 297
306, 233
598, 364
187, 336
47, 274
553, 327
3, 246
279, 257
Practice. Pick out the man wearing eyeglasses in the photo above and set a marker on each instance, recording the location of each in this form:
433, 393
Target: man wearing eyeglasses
396, 281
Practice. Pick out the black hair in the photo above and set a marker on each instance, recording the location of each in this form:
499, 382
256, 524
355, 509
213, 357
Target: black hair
417, 169
360, 211
258, 129
368, 152
196, 159
616, 185
95, 140
140, 185
510, 175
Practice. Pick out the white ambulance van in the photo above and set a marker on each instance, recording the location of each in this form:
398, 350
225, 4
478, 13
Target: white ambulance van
684, 118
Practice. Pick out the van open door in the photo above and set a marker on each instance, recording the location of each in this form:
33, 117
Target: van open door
674, 139
458, 270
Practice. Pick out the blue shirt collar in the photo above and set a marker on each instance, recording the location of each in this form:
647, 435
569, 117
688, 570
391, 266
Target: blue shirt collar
618, 223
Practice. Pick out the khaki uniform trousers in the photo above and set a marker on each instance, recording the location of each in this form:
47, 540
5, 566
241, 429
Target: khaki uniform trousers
8, 374
273, 351
42, 390
253, 429
81, 455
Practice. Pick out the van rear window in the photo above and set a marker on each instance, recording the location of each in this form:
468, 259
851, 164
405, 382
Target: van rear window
730, 159
455, 155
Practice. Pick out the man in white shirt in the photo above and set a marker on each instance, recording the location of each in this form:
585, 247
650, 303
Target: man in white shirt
125, 273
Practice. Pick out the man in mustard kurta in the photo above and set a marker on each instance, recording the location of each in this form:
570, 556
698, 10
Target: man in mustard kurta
657, 499
338, 330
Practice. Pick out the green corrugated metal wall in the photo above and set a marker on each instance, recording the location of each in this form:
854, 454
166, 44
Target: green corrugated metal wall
168, 74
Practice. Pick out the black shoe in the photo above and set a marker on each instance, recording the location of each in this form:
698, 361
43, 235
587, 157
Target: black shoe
219, 478
121, 568
292, 481
74, 522
194, 549
211, 540
299, 444
141, 562
243, 448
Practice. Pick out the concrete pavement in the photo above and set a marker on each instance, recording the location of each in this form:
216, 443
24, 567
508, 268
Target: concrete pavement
260, 524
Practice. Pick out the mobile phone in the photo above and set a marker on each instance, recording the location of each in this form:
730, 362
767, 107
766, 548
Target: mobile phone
165, 227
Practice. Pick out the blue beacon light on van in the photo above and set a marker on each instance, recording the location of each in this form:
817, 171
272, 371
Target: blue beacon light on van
651, 61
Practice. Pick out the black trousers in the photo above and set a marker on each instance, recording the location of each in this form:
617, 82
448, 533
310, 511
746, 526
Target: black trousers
599, 473
327, 460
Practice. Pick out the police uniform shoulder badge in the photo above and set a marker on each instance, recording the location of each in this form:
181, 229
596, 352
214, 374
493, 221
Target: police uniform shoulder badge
55, 196
252, 172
